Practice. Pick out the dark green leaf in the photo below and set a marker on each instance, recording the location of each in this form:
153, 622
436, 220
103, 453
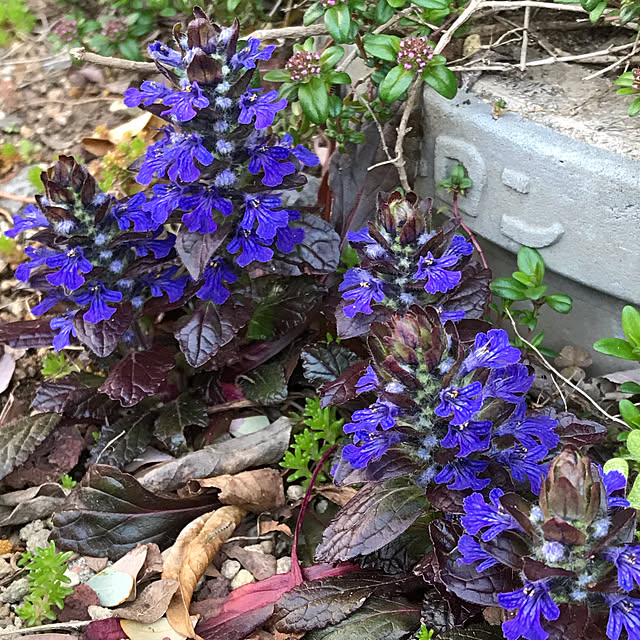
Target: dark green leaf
129, 49
138, 375
119, 450
19, 439
535, 293
509, 289
628, 11
384, 11
630, 413
375, 516
325, 361
382, 46
338, 77
631, 325
103, 337
596, 14
559, 302
378, 619
312, 14
266, 385
634, 107
331, 57
615, 347
338, 22
314, 100
395, 83
335, 106
630, 387
109, 513
281, 305
531, 262
442, 79
184, 411
432, 4
589, 5
210, 328
277, 75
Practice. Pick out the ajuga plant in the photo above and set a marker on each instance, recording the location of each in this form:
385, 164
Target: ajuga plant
405, 260
208, 240
571, 552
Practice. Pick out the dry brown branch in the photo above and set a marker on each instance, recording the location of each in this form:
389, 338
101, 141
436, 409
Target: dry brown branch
403, 129
16, 197
525, 39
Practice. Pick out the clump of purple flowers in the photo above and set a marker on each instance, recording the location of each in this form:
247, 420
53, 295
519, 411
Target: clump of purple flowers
573, 551
403, 261
458, 410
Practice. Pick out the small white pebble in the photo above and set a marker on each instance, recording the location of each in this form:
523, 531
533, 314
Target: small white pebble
267, 546
99, 613
230, 568
322, 506
254, 547
73, 576
242, 577
295, 492
283, 565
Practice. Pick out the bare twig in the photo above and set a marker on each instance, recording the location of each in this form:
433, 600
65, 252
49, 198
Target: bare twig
403, 129
112, 441
525, 39
14, 196
617, 63
568, 382
229, 406
56, 626
379, 126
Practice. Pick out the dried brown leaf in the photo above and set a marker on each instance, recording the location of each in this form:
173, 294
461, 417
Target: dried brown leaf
190, 555
267, 526
151, 604
338, 495
260, 565
256, 491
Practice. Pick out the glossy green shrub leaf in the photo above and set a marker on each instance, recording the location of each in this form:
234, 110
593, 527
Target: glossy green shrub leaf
314, 100
626, 91
615, 347
384, 12
509, 289
312, 14
382, 46
617, 464
596, 14
625, 79
589, 5
531, 262
522, 278
634, 107
535, 293
634, 495
395, 83
628, 12
536, 341
331, 57
277, 75
631, 325
432, 4
442, 79
129, 49
559, 302
631, 415
338, 22
338, 77
630, 387
335, 106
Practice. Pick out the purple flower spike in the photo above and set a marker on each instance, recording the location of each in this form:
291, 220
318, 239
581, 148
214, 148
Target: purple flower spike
65, 328
247, 57
183, 156
361, 287
163, 282
30, 218
434, 270
627, 563
463, 402
532, 601
491, 349
529, 430
248, 243
461, 474
261, 107
265, 210
148, 93
165, 200
97, 296
371, 447
367, 382
470, 436
492, 517
624, 612
271, 161
184, 104
505, 383
472, 551
381, 414
135, 210
213, 288
203, 203
523, 464
70, 264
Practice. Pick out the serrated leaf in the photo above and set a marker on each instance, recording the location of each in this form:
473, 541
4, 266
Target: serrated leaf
266, 385
119, 450
67, 394
195, 249
20, 438
138, 375
472, 294
184, 411
281, 305
328, 601
375, 516
325, 361
103, 337
210, 328
378, 619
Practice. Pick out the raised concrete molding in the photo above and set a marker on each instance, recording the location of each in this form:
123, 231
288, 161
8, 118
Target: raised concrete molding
577, 203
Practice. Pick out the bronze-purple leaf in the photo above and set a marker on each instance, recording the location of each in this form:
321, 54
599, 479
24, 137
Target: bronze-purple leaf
27, 334
103, 337
195, 249
139, 375
343, 388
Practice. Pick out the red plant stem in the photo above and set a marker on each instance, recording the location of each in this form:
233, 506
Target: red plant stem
296, 571
472, 237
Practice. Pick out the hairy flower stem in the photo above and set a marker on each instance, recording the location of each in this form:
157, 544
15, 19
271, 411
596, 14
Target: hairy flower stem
472, 237
296, 571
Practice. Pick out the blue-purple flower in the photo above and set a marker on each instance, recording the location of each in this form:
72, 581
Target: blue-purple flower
37, 258
214, 275
135, 210
264, 209
164, 54
461, 474
147, 94
70, 264
261, 107
532, 602
369, 447
491, 349
614, 481
435, 271
472, 551
529, 430
363, 288
184, 104
30, 218
160, 247
463, 402
381, 415
508, 382
624, 612
367, 382
492, 517
371, 248
164, 282
165, 200
247, 57
459, 247
97, 296
470, 436
65, 328
304, 156
288, 237
524, 464
627, 563
248, 243
202, 204
273, 161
